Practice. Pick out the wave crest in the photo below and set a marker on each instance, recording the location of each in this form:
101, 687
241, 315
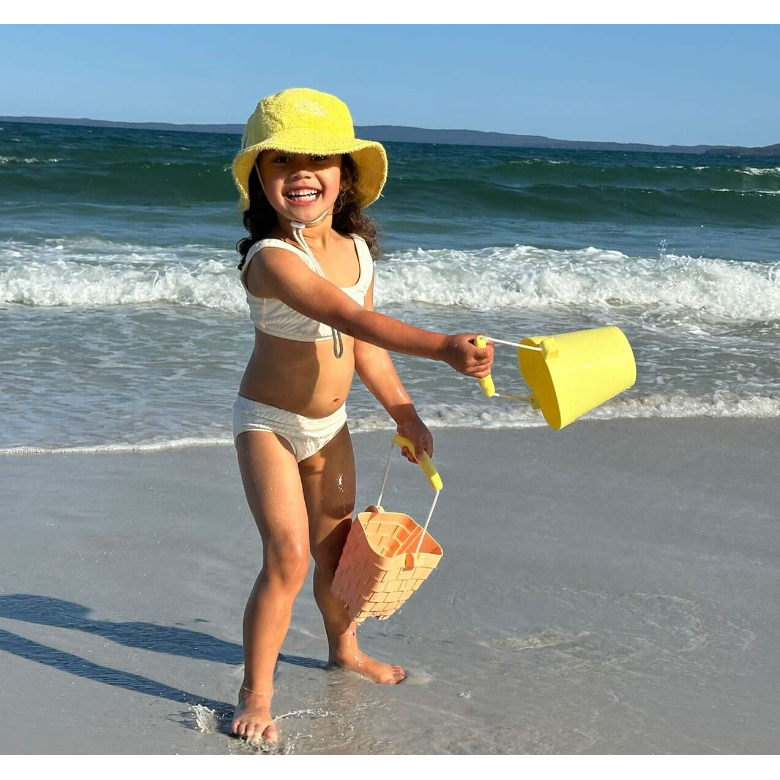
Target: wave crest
100, 274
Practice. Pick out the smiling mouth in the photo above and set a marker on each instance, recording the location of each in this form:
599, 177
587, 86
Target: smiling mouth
302, 197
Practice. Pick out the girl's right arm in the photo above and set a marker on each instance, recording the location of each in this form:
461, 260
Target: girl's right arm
300, 288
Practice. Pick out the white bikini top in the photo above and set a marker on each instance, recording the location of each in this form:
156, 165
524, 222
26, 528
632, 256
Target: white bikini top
271, 316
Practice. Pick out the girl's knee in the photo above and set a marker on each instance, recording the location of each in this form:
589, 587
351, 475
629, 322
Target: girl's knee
288, 567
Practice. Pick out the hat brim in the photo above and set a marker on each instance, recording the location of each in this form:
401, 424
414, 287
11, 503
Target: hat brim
369, 156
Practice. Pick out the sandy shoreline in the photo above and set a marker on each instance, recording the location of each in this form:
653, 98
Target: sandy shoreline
610, 588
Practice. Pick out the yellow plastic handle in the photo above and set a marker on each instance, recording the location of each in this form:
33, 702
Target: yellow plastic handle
486, 383
425, 463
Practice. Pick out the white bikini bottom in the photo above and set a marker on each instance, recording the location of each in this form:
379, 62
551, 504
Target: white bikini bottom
306, 435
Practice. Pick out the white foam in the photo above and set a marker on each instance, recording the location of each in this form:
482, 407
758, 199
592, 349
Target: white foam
537, 161
483, 415
28, 160
93, 273
306, 713
529, 278
207, 720
751, 171
113, 449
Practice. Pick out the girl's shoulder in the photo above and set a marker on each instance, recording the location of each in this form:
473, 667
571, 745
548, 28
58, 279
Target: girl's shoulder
276, 243
362, 246
251, 274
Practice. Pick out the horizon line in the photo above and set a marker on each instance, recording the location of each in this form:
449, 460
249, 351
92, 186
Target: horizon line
231, 128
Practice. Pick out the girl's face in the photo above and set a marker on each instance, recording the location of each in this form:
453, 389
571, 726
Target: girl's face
300, 186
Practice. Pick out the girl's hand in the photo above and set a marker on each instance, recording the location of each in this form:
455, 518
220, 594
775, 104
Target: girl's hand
459, 351
417, 432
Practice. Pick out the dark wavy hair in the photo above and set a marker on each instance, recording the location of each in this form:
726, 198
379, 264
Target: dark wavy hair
260, 218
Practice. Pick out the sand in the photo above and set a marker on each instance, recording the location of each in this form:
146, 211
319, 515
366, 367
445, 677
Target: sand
611, 588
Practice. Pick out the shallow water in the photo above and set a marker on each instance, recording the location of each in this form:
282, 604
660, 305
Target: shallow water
125, 324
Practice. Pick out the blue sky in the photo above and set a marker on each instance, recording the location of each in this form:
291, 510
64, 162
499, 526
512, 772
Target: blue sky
648, 84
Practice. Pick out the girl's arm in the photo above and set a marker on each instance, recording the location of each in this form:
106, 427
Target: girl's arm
375, 368
291, 281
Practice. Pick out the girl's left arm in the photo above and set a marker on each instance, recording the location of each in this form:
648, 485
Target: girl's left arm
375, 368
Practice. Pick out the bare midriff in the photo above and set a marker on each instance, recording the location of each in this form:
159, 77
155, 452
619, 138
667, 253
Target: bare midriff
304, 377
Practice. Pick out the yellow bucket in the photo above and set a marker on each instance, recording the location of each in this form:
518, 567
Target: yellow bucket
576, 372
572, 373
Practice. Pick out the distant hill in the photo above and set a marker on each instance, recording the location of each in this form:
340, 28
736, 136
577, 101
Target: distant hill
420, 135
168, 126
752, 151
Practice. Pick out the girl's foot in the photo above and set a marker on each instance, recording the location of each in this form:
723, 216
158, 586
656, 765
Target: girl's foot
252, 717
376, 671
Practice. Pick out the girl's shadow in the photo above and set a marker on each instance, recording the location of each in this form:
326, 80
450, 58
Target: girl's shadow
49, 611
54, 612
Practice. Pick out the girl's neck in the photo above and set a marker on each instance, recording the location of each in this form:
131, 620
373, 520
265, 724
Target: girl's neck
318, 235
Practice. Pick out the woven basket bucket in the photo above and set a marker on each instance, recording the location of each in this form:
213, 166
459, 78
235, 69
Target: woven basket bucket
387, 555
379, 569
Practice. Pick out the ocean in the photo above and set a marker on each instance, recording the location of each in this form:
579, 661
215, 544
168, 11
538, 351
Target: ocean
124, 324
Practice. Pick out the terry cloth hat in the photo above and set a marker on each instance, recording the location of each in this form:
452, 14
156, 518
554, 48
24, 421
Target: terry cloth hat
305, 121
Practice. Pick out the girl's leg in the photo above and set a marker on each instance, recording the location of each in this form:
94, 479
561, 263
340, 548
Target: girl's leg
328, 480
273, 491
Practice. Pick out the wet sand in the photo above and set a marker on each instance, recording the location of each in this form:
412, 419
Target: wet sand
610, 588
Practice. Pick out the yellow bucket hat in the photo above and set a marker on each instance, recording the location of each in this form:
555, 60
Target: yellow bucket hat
305, 121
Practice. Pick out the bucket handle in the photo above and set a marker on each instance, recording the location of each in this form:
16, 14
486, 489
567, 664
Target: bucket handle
486, 383
430, 471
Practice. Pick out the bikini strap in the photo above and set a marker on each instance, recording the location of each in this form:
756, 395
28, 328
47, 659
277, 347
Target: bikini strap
276, 242
311, 262
366, 261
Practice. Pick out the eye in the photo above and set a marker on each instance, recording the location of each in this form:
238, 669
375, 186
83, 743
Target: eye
281, 158
319, 157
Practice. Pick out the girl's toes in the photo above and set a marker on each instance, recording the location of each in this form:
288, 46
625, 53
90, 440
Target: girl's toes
270, 733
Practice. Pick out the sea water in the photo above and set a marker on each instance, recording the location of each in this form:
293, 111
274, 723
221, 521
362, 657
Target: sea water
124, 324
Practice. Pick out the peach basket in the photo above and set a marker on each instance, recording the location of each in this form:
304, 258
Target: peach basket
387, 555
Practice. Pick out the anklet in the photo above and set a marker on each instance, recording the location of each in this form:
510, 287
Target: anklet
256, 693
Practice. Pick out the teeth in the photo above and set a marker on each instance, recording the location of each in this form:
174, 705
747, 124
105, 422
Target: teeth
303, 194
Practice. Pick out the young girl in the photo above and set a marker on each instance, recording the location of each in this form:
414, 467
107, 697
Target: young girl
308, 271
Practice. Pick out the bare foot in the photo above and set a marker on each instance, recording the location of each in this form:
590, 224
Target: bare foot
376, 671
252, 718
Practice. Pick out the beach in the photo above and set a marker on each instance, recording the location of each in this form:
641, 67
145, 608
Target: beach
609, 588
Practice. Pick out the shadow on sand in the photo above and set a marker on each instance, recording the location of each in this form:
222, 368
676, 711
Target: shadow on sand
44, 610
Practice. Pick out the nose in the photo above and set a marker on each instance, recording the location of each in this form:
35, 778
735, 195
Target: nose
298, 162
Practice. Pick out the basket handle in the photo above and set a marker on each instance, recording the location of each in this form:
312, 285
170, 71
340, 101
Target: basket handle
430, 471
425, 463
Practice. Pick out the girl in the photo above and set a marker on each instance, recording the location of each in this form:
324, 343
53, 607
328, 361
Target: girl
307, 267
